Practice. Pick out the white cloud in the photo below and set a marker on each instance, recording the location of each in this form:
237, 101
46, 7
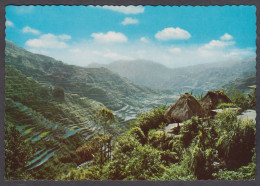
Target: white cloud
174, 50
64, 37
28, 29
218, 44
144, 40
172, 34
47, 41
88, 51
125, 9
239, 53
9, 23
226, 36
129, 20
110, 37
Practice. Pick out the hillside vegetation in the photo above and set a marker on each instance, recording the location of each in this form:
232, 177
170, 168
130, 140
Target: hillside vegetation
48, 123
64, 122
220, 148
98, 84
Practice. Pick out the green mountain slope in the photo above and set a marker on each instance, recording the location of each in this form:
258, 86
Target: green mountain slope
98, 84
52, 125
199, 78
241, 84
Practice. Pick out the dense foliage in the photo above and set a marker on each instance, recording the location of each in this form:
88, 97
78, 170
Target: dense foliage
203, 149
243, 101
200, 149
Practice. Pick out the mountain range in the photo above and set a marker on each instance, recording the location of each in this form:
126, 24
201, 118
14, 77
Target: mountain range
198, 78
99, 84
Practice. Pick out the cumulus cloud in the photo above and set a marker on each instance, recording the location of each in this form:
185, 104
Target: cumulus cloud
226, 36
125, 9
129, 20
64, 37
144, 40
9, 23
88, 51
28, 29
218, 44
174, 50
110, 37
47, 41
172, 34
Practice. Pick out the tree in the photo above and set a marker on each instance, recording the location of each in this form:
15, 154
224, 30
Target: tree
105, 118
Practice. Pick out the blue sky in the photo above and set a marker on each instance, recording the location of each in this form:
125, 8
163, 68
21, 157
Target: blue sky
173, 36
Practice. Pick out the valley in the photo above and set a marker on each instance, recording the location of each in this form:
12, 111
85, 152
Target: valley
52, 108
197, 78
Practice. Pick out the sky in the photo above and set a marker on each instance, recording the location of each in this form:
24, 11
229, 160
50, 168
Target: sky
173, 36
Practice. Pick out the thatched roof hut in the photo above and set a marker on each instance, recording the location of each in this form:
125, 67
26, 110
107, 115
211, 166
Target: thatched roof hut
184, 108
211, 100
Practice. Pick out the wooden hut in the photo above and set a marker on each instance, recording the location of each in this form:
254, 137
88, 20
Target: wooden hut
184, 108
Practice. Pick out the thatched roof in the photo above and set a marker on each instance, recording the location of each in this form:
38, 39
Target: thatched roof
253, 86
184, 108
212, 99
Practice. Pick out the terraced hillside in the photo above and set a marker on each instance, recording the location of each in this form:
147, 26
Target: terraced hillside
53, 125
99, 84
53, 106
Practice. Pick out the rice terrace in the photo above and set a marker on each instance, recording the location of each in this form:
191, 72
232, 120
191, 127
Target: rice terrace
130, 93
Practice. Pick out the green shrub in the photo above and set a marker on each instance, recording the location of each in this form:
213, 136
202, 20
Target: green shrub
144, 164
247, 172
177, 172
199, 158
176, 145
151, 120
91, 173
138, 134
115, 169
126, 144
159, 139
189, 130
226, 105
236, 139
133, 161
240, 100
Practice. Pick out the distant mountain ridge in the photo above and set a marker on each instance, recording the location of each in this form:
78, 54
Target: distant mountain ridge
241, 84
99, 84
199, 78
